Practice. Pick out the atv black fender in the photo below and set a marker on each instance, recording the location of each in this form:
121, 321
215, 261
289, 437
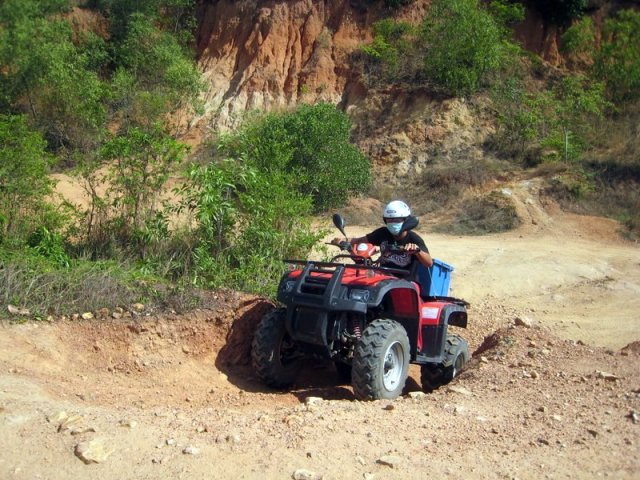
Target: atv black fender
434, 336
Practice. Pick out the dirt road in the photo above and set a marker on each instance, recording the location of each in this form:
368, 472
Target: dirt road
172, 396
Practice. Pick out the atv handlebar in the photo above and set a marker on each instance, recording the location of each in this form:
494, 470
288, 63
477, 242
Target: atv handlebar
393, 271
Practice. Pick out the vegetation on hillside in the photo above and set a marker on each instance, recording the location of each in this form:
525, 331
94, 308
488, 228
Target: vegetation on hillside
96, 101
92, 90
552, 120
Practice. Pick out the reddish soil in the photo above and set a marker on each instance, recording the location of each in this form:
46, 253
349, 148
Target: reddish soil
558, 399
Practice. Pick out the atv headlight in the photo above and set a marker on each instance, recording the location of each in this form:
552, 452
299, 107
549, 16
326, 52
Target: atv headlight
359, 295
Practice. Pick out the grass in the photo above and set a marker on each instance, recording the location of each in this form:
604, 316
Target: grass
43, 288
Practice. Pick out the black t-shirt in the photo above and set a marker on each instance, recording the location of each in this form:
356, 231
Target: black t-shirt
383, 238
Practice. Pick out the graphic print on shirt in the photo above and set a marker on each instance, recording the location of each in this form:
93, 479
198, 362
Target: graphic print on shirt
400, 259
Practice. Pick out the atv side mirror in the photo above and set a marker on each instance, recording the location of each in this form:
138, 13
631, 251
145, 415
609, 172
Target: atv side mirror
410, 223
338, 221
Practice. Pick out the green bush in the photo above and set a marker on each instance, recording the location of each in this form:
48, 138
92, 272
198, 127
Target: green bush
311, 145
390, 55
24, 184
247, 221
47, 75
617, 63
579, 39
464, 46
560, 119
50, 245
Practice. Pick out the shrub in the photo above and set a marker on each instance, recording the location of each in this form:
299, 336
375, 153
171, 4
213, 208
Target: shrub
579, 40
24, 184
561, 119
617, 62
311, 145
247, 221
391, 54
464, 46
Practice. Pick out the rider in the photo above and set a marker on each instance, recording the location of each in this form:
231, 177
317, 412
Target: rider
409, 246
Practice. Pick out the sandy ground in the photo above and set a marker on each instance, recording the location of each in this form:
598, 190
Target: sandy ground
173, 396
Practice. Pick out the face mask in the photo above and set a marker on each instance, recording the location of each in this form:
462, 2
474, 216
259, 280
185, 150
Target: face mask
394, 228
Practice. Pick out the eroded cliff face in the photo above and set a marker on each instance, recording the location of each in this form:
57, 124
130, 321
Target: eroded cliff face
259, 54
275, 54
266, 54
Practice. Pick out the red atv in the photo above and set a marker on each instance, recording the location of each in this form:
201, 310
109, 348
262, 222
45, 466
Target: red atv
370, 320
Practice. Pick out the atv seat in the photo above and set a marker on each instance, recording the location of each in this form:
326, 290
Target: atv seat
435, 280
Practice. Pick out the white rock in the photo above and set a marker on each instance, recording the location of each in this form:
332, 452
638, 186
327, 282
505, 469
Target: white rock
302, 474
93, 451
608, 376
18, 311
69, 423
523, 322
191, 450
87, 316
313, 400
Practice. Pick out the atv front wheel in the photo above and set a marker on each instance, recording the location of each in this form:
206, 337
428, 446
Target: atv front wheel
274, 355
456, 355
381, 361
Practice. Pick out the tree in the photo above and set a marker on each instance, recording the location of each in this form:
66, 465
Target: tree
141, 162
24, 184
463, 45
311, 145
44, 71
617, 62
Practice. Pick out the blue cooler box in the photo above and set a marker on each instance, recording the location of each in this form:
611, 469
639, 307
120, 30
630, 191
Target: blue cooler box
435, 280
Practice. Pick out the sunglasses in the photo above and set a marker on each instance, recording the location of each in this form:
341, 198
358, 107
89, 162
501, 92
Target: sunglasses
394, 220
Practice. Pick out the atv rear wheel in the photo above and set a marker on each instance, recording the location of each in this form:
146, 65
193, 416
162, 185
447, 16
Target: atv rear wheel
274, 355
381, 361
435, 375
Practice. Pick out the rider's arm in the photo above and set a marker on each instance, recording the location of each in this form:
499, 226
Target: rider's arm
352, 240
422, 254
424, 258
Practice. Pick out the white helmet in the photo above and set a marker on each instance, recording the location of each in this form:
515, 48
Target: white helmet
396, 209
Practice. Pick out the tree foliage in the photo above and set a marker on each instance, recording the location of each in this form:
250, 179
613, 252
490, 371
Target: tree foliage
464, 45
391, 54
46, 75
24, 165
312, 146
459, 47
617, 62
